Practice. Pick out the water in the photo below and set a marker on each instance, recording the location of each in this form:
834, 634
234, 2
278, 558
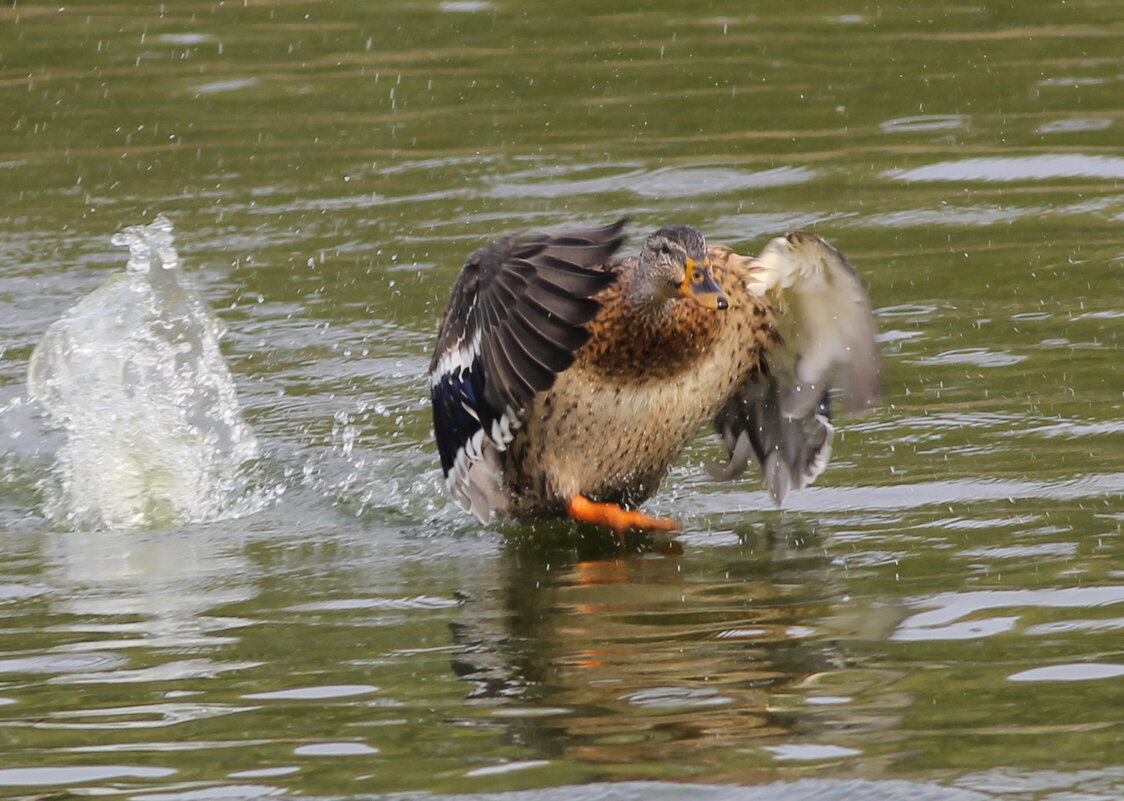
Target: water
938, 617
134, 375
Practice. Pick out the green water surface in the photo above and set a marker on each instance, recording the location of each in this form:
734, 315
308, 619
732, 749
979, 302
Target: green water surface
939, 617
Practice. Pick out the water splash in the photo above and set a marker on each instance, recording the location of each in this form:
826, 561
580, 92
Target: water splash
134, 376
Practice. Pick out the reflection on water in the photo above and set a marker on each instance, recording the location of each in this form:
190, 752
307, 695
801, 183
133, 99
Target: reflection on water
641, 660
130, 595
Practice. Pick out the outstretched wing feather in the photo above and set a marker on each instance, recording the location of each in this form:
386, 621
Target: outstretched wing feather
551, 329
825, 320
780, 417
538, 344
515, 316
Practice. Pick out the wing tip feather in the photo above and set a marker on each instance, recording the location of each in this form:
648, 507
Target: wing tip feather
515, 316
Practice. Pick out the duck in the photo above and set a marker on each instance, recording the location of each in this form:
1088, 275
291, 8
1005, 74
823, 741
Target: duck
566, 380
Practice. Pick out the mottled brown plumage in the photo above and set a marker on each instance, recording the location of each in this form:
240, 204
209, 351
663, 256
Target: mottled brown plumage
683, 334
637, 393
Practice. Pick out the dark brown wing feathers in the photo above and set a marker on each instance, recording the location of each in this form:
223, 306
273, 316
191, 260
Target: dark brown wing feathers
516, 314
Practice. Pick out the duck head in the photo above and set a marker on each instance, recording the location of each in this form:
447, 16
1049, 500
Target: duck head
674, 262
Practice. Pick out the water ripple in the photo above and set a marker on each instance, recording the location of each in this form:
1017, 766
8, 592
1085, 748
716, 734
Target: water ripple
335, 749
464, 6
664, 697
954, 215
1075, 125
925, 122
61, 663
264, 773
1079, 671
980, 357
231, 792
138, 717
314, 693
17, 592
1062, 549
910, 496
943, 621
345, 604
170, 671
1063, 626
665, 182
507, 767
229, 85
1016, 168
74, 774
1070, 429
810, 751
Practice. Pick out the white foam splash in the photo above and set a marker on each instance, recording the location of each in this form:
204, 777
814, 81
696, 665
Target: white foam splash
134, 375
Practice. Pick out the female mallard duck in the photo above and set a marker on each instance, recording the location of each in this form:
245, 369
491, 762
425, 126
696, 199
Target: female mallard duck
566, 382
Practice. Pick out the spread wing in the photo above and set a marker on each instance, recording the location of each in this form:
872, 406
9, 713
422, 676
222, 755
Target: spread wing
827, 333
516, 315
824, 317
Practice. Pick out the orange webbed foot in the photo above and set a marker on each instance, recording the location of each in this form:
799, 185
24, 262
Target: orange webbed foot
620, 520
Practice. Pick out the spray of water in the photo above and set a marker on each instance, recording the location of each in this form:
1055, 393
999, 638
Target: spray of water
134, 376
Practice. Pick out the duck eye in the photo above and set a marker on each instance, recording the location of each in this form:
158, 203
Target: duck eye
665, 249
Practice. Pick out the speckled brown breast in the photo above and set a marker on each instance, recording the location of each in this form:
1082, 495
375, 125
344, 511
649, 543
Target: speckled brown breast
637, 393
633, 349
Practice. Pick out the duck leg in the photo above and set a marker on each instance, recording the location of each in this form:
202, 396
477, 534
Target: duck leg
610, 515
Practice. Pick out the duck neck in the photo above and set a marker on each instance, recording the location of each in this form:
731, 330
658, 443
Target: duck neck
649, 300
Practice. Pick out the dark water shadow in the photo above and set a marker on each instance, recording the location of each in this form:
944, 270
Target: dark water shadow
562, 541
